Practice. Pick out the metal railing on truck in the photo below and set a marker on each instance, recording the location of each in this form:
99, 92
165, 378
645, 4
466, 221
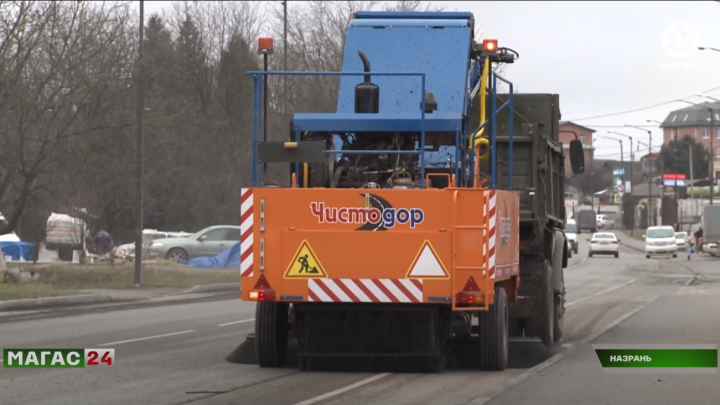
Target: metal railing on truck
460, 161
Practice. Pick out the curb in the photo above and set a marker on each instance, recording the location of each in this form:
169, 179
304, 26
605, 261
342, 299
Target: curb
33, 303
37, 303
211, 288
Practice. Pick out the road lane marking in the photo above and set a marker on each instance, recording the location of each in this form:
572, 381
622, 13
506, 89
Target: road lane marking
147, 338
236, 322
343, 389
568, 346
599, 293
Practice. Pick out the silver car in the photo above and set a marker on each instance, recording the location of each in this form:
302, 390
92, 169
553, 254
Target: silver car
210, 241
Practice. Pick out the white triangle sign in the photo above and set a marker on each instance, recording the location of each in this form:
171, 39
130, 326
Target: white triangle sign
427, 264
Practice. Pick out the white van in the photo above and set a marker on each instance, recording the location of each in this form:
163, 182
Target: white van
571, 233
660, 240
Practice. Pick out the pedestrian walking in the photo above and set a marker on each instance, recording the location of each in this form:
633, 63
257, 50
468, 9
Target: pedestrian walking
689, 240
698, 240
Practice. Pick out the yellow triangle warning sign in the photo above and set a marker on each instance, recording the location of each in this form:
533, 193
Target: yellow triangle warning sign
305, 264
427, 264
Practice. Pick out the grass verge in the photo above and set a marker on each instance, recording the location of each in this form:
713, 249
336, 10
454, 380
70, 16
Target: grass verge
30, 290
56, 280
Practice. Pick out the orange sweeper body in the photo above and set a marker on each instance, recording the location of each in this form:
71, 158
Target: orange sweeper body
379, 246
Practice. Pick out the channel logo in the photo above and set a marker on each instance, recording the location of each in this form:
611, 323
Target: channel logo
57, 358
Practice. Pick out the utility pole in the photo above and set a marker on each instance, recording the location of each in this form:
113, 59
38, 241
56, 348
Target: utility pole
632, 173
692, 177
652, 172
285, 56
140, 71
711, 175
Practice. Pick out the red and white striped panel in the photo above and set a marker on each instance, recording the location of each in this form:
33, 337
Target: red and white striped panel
490, 217
246, 232
365, 290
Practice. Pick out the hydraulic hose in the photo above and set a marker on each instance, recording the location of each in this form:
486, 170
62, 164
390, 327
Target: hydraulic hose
479, 140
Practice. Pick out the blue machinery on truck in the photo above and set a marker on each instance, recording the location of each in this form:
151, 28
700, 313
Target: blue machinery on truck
348, 120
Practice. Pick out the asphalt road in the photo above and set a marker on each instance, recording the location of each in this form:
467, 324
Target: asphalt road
176, 354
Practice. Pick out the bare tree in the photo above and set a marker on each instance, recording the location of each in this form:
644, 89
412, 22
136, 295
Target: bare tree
57, 63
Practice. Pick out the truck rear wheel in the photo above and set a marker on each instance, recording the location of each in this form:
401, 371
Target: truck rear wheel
271, 333
494, 333
558, 282
545, 324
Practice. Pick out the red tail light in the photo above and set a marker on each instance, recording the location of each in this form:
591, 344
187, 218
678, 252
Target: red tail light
469, 297
262, 291
470, 294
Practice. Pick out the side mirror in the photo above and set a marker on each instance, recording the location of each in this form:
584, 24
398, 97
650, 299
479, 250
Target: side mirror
643, 236
202, 238
577, 157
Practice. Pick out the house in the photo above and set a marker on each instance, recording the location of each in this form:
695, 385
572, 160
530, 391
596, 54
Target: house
694, 121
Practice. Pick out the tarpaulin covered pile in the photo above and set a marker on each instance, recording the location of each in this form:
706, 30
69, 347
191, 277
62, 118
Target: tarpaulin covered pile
227, 259
17, 250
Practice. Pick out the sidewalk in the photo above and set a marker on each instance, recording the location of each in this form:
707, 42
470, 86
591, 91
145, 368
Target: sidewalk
629, 241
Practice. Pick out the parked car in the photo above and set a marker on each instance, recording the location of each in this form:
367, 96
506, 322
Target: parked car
603, 221
571, 233
604, 244
569, 248
680, 240
660, 240
149, 235
211, 241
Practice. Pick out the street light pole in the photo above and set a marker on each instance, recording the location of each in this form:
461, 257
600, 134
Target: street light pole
140, 71
632, 170
652, 172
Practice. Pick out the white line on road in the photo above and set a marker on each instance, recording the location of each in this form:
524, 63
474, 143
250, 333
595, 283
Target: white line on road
599, 293
556, 358
236, 322
147, 338
343, 389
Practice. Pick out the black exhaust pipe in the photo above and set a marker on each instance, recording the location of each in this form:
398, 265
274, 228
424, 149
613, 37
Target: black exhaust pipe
367, 94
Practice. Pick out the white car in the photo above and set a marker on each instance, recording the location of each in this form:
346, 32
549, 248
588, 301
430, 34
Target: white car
680, 240
660, 240
604, 244
571, 234
602, 221
569, 248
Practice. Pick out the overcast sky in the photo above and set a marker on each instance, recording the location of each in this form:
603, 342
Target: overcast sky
603, 57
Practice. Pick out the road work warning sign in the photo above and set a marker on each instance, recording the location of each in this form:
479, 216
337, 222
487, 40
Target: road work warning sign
305, 264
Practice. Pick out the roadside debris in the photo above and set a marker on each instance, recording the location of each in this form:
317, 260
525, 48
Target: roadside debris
18, 275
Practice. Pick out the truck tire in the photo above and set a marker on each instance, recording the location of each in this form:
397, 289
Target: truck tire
494, 333
271, 333
559, 311
545, 324
558, 282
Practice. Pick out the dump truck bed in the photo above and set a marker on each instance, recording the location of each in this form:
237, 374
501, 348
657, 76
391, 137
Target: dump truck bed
377, 245
535, 141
